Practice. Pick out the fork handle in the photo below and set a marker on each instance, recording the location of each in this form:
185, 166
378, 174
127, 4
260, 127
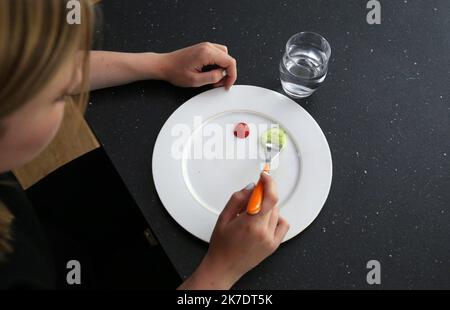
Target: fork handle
255, 201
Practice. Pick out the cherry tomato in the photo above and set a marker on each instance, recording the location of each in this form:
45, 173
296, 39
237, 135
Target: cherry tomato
241, 131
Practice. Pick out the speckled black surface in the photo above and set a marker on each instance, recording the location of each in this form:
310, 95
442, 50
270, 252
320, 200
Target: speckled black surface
385, 110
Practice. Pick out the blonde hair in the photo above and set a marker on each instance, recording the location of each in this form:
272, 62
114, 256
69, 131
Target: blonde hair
6, 219
36, 40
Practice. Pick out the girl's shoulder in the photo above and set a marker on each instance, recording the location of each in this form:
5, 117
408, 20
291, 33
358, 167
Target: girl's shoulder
24, 252
11, 193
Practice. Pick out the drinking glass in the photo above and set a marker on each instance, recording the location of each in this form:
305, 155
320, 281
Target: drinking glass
304, 65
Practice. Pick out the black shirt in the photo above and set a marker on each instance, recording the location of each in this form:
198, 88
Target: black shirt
30, 265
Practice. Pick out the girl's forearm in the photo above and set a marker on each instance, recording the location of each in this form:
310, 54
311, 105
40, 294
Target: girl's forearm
110, 69
210, 276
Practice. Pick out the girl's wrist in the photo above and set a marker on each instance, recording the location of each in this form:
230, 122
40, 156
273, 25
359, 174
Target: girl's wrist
150, 66
216, 274
210, 275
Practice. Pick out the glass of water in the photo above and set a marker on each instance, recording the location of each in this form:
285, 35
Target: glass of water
305, 64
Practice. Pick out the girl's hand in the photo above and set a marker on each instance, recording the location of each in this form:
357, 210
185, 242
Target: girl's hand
240, 241
184, 67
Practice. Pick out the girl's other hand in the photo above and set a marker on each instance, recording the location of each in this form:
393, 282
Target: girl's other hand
184, 67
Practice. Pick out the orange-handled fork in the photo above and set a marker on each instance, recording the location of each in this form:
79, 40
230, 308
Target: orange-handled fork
254, 204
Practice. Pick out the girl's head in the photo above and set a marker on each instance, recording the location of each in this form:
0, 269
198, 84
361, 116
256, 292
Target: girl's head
43, 59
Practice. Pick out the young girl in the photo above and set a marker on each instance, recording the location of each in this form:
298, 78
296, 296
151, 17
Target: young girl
43, 60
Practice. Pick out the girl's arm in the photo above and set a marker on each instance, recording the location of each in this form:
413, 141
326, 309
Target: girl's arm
110, 69
182, 67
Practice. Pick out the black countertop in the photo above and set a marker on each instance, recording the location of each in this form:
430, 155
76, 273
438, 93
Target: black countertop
384, 108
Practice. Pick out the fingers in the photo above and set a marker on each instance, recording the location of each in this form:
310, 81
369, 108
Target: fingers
281, 230
219, 84
273, 221
236, 204
270, 198
218, 56
221, 47
222, 82
278, 226
210, 77
231, 74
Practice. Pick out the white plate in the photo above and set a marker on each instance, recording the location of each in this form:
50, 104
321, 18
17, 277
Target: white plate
195, 190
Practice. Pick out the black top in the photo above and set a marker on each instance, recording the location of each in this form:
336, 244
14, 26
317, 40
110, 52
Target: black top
80, 212
384, 109
31, 264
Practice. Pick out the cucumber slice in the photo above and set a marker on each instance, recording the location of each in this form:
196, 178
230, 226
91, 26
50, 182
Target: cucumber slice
275, 136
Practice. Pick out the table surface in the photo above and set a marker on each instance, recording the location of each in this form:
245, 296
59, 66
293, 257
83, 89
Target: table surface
384, 109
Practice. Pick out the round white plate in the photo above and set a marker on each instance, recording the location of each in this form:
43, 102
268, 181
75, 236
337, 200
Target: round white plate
198, 162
